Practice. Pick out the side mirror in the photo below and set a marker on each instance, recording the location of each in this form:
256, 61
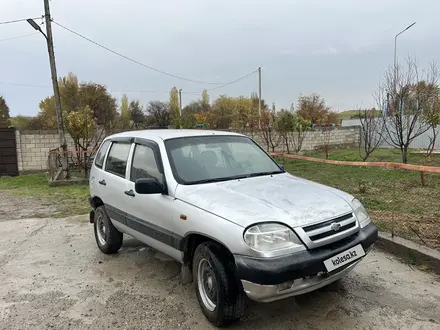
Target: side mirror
148, 186
281, 165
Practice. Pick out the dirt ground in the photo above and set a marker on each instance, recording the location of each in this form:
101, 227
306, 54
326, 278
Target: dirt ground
14, 206
53, 276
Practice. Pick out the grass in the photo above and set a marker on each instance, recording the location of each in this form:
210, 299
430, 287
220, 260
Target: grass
68, 200
347, 114
395, 198
379, 155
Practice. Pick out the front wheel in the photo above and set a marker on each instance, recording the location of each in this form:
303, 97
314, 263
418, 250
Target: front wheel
219, 293
108, 238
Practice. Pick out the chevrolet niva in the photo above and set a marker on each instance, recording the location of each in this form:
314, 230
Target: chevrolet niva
239, 224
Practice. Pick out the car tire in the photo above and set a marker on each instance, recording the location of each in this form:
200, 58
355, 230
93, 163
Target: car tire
108, 238
219, 292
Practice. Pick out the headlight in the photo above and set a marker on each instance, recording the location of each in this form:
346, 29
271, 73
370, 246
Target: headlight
360, 212
270, 237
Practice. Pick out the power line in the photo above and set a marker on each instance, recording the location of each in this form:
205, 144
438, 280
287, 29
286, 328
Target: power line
142, 64
110, 89
18, 37
229, 83
18, 20
23, 85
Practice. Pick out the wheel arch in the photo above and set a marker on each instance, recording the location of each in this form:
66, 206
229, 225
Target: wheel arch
191, 240
96, 202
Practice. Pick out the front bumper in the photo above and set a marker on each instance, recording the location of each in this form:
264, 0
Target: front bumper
268, 279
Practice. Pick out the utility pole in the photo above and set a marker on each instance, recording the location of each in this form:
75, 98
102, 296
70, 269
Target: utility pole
259, 97
395, 61
180, 107
56, 91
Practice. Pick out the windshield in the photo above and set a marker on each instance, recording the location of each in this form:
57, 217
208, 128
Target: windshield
203, 159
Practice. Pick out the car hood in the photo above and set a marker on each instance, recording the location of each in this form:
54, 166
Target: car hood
281, 197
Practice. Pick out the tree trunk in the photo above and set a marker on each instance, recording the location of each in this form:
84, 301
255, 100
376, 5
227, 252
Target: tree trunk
404, 151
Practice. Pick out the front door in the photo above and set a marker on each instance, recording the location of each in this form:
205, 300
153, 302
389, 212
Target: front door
150, 214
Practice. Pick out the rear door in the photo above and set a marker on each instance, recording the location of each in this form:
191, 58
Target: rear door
113, 179
96, 175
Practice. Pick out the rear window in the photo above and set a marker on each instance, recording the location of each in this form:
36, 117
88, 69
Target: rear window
99, 159
117, 158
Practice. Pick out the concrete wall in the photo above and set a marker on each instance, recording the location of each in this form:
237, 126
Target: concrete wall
33, 146
420, 142
341, 136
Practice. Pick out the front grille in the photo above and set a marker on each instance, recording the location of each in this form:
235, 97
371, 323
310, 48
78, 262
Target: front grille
327, 228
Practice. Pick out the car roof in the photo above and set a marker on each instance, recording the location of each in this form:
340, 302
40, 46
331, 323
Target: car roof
166, 134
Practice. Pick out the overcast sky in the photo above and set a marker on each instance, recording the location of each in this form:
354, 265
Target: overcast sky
339, 49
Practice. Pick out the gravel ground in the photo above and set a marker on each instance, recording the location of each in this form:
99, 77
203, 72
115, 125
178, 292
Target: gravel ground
53, 276
13, 207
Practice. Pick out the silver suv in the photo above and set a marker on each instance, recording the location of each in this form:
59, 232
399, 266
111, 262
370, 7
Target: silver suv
221, 206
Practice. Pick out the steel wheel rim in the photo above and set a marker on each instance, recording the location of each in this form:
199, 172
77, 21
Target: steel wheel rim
101, 230
207, 284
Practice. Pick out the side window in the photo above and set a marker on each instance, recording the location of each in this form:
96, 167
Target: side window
144, 164
117, 158
99, 158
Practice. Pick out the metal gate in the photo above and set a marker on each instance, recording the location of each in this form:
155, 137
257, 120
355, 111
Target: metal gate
8, 152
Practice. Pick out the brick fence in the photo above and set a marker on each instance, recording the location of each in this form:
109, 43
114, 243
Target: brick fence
341, 136
33, 146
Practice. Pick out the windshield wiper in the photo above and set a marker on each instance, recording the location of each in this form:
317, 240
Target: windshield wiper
235, 177
264, 173
217, 179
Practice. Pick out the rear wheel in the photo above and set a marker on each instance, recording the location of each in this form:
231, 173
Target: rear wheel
108, 238
219, 293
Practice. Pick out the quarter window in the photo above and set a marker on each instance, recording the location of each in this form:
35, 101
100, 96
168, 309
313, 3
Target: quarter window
117, 158
144, 164
99, 159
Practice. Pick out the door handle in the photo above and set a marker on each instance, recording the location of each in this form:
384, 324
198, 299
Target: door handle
130, 193
102, 182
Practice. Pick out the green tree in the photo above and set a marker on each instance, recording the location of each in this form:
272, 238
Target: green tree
101, 102
81, 125
429, 97
137, 114
313, 108
74, 96
4, 113
174, 107
47, 115
242, 113
285, 125
301, 127
125, 112
222, 112
205, 97
189, 112
84, 131
21, 122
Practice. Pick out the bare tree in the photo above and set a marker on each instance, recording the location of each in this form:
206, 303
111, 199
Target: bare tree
371, 132
161, 113
268, 129
325, 137
403, 120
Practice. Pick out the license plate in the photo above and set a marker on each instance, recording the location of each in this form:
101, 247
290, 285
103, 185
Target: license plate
344, 258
